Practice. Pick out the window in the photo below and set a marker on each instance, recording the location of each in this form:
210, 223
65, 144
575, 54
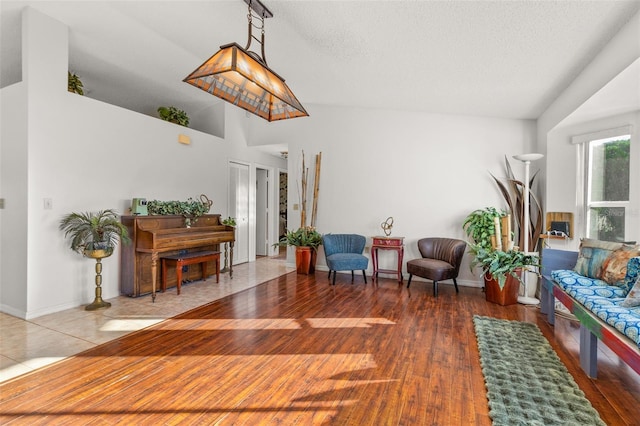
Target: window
607, 198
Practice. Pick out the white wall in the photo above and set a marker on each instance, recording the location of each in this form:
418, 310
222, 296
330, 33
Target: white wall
86, 155
13, 188
428, 171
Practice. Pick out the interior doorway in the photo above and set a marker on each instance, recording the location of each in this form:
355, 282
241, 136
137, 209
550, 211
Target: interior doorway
239, 208
282, 209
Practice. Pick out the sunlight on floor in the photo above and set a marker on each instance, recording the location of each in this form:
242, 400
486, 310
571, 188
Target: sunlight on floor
129, 324
26, 345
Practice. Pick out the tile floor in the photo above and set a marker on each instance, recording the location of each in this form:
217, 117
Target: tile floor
27, 345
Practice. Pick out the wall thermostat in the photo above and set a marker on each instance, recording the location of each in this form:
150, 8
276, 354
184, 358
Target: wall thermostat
139, 206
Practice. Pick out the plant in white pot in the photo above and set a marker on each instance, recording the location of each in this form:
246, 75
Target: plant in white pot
95, 235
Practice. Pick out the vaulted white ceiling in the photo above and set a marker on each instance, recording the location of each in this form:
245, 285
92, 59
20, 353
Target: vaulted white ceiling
491, 58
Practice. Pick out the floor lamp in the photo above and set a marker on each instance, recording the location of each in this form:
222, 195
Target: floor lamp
527, 159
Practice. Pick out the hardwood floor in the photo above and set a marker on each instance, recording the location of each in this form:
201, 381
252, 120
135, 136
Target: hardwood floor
296, 350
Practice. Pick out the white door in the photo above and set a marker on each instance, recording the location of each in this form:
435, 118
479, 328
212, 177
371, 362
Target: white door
239, 208
262, 212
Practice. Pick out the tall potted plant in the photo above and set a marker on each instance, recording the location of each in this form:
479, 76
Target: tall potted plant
95, 235
501, 264
306, 240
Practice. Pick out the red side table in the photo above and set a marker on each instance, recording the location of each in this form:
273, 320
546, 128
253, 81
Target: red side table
387, 243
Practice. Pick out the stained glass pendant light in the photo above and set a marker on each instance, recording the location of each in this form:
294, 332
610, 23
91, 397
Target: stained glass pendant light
242, 77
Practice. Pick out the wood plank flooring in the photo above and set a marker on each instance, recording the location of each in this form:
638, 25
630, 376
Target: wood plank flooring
298, 351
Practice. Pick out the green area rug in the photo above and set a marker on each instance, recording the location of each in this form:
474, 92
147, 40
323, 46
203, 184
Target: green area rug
527, 384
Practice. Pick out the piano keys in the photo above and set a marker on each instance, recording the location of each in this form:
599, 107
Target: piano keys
155, 236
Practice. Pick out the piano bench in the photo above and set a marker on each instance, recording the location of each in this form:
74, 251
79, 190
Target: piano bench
180, 260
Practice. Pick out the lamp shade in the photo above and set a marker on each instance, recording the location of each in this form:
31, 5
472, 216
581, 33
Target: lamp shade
238, 77
528, 157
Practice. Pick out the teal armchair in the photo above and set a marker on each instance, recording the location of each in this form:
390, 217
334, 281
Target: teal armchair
344, 253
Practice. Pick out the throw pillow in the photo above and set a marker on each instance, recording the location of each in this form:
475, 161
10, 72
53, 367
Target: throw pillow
633, 297
614, 267
592, 254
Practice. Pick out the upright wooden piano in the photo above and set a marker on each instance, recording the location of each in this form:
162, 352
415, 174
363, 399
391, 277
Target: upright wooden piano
155, 236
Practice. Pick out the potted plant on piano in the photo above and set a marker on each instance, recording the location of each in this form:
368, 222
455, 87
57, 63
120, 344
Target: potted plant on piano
95, 235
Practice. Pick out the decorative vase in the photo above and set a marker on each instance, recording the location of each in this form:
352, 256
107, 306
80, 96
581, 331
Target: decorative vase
508, 295
305, 260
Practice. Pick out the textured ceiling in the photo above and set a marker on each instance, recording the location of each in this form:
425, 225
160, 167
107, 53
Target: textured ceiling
491, 58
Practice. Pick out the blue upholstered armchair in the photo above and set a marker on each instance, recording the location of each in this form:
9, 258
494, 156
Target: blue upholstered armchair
344, 253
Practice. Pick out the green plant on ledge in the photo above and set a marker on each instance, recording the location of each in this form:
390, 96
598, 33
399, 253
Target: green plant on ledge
303, 237
174, 115
74, 84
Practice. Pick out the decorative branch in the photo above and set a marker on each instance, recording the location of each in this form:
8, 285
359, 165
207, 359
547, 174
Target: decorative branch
316, 188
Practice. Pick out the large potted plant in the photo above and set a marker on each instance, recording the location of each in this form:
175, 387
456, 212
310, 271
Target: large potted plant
95, 235
500, 262
502, 271
306, 241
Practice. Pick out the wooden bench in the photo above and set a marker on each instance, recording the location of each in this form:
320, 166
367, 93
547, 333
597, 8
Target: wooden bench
180, 260
592, 328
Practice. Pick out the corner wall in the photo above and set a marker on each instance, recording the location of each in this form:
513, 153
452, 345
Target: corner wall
13, 189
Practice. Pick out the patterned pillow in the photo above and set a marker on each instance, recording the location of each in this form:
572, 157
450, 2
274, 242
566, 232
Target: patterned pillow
633, 298
592, 254
614, 267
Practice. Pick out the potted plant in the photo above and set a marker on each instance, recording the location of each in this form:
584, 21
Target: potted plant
230, 221
74, 84
502, 272
306, 240
501, 264
174, 115
95, 235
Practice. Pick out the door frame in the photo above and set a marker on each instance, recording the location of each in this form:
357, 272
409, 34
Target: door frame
273, 197
272, 206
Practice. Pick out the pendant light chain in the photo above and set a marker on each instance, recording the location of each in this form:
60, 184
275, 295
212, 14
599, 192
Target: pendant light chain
251, 37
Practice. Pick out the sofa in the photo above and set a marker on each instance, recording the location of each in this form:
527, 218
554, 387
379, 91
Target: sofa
600, 286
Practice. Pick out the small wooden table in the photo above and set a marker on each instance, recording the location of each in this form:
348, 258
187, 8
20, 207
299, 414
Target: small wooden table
387, 243
180, 260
